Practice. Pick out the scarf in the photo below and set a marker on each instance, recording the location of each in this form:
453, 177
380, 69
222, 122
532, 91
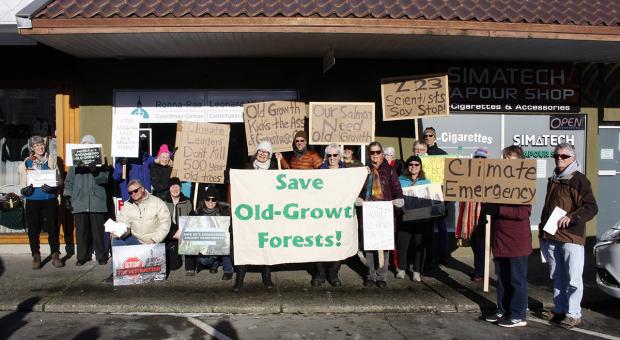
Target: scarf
570, 169
38, 163
211, 212
468, 218
261, 165
376, 192
300, 153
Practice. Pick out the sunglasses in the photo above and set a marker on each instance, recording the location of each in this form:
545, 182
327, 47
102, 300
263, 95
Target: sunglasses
333, 155
563, 156
377, 152
414, 164
135, 191
299, 140
427, 136
210, 199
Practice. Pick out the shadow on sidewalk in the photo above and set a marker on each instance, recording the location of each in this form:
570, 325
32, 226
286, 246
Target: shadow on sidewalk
88, 334
11, 323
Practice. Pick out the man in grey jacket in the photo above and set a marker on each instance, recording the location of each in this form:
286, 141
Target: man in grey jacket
85, 194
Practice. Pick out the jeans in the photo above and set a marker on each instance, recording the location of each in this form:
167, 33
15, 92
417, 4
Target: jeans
211, 262
512, 286
376, 273
129, 241
566, 270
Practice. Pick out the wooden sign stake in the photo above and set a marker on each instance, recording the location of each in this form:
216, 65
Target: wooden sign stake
487, 254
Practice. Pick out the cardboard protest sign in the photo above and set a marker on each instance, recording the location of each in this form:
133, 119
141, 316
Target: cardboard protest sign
423, 201
414, 97
433, 167
342, 123
82, 154
204, 235
125, 135
294, 216
39, 177
378, 225
202, 153
510, 181
275, 121
139, 264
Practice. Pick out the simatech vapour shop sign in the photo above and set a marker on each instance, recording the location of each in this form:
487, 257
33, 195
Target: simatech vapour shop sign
509, 88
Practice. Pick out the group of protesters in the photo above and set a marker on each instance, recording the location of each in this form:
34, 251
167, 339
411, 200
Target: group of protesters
154, 201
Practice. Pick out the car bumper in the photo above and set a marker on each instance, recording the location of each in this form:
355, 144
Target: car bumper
607, 259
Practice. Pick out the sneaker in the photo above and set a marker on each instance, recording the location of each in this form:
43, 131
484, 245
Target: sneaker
190, 273
569, 323
416, 277
511, 323
381, 284
400, 274
494, 317
368, 283
227, 276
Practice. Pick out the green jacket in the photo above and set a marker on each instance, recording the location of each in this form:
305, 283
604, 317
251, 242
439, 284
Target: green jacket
87, 190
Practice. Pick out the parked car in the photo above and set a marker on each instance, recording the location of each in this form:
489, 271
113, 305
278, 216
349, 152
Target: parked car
607, 259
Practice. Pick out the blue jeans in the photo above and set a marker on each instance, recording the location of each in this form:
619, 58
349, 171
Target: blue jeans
512, 286
566, 270
129, 241
212, 262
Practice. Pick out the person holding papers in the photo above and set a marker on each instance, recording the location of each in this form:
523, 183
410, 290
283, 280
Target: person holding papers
41, 202
512, 245
85, 195
568, 189
381, 185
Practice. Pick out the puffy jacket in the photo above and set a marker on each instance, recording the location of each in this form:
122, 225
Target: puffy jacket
512, 235
149, 220
574, 195
87, 190
309, 160
160, 175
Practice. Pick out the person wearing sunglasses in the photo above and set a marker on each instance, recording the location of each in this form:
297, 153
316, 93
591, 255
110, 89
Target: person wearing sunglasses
178, 205
569, 189
329, 270
381, 185
304, 158
511, 243
413, 237
430, 138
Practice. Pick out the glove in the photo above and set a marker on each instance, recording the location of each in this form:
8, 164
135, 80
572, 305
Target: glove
27, 191
399, 202
359, 202
46, 188
93, 168
68, 205
490, 209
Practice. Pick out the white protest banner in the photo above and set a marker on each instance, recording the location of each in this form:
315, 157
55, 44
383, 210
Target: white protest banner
202, 153
125, 135
39, 177
423, 201
275, 122
342, 123
204, 235
139, 264
378, 225
294, 216
84, 154
414, 97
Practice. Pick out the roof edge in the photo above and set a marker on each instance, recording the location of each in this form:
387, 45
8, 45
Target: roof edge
24, 16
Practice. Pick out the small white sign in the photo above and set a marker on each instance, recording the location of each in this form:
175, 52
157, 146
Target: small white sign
607, 153
552, 222
541, 168
378, 225
607, 172
125, 135
39, 177
116, 228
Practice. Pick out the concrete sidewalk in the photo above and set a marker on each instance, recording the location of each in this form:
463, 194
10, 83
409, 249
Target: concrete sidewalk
79, 289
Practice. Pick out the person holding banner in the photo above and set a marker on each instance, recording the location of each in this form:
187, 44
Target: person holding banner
41, 202
303, 158
160, 172
511, 245
570, 191
85, 195
413, 237
260, 161
381, 185
178, 205
333, 160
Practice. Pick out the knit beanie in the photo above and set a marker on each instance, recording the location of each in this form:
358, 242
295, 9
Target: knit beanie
88, 139
174, 181
266, 146
210, 191
163, 149
414, 158
481, 153
35, 140
302, 134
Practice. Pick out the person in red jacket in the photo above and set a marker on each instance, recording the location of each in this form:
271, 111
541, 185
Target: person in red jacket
303, 158
512, 244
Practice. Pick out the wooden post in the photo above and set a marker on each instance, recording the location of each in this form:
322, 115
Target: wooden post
415, 128
381, 258
487, 253
279, 164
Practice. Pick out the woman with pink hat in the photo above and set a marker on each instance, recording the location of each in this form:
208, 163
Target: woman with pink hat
160, 172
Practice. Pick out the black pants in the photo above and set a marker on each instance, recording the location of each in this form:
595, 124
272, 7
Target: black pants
89, 232
413, 244
332, 270
41, 215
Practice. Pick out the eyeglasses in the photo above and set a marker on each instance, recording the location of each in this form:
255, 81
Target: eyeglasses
333, 155
429, 135
135, 191
263, 152
414, 164
376, 152
563, 156
299, 140
210, 199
